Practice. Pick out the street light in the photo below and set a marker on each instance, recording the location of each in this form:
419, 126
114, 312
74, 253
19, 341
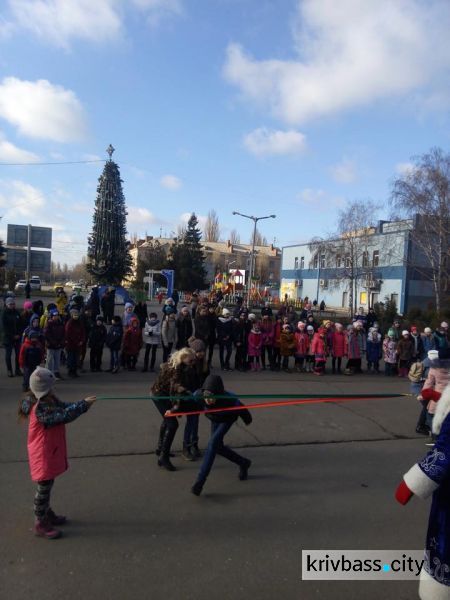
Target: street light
252, 260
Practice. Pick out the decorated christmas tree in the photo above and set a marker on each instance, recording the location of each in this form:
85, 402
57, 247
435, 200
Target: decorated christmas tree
109, 260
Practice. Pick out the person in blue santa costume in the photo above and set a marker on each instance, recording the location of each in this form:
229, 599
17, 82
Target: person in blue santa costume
431, 476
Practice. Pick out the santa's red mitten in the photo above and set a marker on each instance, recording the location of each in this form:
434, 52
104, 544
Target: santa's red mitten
430, 394
403, 494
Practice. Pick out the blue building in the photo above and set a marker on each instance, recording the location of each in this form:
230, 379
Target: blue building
360, 269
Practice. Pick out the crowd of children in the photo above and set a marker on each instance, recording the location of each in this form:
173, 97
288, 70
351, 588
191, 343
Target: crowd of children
62, 333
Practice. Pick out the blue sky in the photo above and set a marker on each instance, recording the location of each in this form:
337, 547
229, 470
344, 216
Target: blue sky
263, 106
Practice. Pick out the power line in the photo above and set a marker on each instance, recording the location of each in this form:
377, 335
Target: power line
69, 162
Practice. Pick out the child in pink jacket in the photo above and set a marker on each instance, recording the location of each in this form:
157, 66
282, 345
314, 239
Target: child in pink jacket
301, 346
339, 347
255, 347
319, 348
47, 451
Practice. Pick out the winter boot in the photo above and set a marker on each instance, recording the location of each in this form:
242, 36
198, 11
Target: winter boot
164, 459
43, 528
187, 455
55, 519
197, 488
243, 469
195, 451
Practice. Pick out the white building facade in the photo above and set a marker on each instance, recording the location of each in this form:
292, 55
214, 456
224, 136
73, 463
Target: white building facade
376, 264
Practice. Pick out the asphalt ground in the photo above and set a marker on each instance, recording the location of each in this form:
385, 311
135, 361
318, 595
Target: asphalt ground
323, 477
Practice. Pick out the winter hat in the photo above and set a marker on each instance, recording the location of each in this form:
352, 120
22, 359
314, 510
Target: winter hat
54, 313
301, 325
444, 325
427, 330
214, 384
197, 345
41, 382
99, 318
34, 317
339, 326
286, 326
252, 317
433, 354
10, 302
405, 332
225, 312
74, 311
413, 329
310, 328
128, 305
28, 305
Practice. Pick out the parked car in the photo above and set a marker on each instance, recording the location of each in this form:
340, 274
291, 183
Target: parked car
35, 283
20, 285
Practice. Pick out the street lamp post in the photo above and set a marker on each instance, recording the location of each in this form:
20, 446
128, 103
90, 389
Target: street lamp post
252, 256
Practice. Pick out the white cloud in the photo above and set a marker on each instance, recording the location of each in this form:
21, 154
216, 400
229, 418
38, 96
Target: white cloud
319, 199
348, 54
404, 168
42, 110
264, 142
344, 171
60, 21
11, 153
57, 21
157, 10
140, 217
171, 182
19, 200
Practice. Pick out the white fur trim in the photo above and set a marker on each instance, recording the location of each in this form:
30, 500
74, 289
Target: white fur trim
419, 483
442, 410
430, 589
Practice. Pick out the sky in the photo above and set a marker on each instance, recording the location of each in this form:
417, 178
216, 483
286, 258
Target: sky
291, 107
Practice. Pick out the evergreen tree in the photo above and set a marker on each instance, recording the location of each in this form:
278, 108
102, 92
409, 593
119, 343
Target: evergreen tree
109, 259
154, 257
187, 258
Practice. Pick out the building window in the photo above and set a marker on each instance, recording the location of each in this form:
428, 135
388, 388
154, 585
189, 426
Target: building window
271, 264
338, 261
365, 259
375, 299
322, 261
363, 298
316, 261
347, 261
296, 262
376, 258
394, 298
302, 262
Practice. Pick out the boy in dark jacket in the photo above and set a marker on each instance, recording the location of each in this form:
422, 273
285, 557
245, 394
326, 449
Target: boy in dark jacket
31, 356
97, 338
75, 340
12, 333
54, 334
114, 342
221, 423
225, 339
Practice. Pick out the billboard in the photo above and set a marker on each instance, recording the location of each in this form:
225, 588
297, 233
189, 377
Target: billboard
40, 260
41, 237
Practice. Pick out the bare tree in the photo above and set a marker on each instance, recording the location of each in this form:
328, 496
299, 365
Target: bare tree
211, 232
423, 193
260, 240
346, 251
235, 238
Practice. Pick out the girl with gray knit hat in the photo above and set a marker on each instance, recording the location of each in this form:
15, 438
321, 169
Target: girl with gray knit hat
47, 451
